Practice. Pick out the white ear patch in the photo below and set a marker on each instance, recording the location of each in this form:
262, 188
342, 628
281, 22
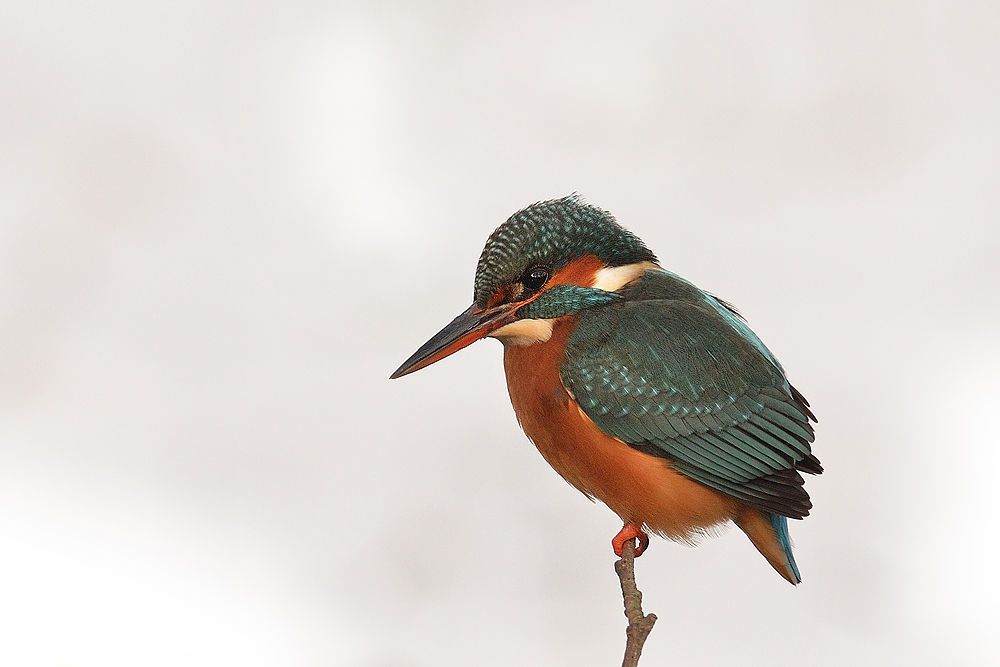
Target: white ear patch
612, 279
524, 332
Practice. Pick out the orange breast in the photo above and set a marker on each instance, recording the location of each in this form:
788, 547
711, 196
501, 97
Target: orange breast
640, 488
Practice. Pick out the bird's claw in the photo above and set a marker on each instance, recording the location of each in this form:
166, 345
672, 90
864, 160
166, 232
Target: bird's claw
628, 532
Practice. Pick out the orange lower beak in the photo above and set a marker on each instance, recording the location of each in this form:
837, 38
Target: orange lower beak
464, 330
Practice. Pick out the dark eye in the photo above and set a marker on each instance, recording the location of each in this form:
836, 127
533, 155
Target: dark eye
535, 278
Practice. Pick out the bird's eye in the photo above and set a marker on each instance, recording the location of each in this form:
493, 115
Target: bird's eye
535, 278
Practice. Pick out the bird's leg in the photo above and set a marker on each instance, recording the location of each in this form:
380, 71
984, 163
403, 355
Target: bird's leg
628, 531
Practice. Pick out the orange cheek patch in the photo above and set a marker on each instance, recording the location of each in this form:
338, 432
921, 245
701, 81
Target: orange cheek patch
578, 272
582, 272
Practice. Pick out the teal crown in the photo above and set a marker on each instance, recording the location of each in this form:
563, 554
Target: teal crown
553, 234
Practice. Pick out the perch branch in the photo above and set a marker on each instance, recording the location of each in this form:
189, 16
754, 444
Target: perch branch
639, 625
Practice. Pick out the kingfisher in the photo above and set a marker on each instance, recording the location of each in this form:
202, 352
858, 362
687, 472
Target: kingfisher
640, 389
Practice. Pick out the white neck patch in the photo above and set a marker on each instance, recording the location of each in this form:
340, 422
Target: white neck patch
613, 278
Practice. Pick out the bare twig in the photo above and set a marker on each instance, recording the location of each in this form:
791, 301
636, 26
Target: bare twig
639, 626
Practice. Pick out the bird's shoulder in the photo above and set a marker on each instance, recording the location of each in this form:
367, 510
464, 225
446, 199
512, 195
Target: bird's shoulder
666, 331
671, 370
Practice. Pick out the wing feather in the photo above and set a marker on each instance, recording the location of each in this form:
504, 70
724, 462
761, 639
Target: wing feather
671, 372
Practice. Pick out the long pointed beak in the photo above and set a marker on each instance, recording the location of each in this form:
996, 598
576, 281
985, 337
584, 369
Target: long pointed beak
464, 330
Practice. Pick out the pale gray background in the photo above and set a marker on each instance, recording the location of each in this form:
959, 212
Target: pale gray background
223, 224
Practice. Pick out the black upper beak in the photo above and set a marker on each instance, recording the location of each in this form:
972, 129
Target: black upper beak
467, 328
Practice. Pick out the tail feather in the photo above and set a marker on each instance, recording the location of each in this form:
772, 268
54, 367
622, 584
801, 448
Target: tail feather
769, 533
780, 525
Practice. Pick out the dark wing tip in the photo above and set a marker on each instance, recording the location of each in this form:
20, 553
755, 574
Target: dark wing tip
803, 403
810, 464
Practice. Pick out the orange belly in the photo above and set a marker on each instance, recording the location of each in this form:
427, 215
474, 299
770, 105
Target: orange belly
638, 487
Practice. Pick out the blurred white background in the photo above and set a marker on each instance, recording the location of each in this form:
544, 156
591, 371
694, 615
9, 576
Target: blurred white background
224, 224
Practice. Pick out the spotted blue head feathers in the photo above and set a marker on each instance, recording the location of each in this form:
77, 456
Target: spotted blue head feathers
552, 234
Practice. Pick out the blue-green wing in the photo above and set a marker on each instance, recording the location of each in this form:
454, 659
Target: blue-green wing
673, 373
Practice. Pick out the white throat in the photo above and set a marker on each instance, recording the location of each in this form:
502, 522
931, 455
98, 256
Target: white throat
524, 332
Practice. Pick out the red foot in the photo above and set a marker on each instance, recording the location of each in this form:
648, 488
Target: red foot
629, 531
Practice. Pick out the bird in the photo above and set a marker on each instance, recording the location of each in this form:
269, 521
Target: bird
640, 389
